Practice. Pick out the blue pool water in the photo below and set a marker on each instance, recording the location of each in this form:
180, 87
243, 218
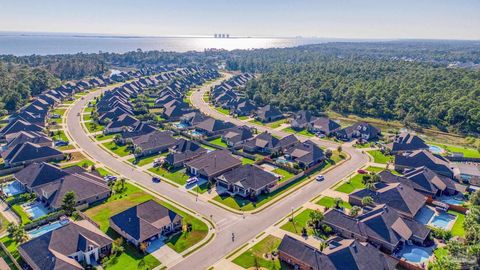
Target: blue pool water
435, 149
46, 228
181, 125
196, 133
13, 188
442, 220
415, 254
35, 210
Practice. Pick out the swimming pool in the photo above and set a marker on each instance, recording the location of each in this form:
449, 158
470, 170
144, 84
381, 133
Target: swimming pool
442, 220
451, 200
181, 125
435, 149
196, 133
415, 254
13, 188
46, 228
35, 210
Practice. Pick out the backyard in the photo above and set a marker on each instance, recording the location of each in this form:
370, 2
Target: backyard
255, 256
457, 229
467, 152
218, 141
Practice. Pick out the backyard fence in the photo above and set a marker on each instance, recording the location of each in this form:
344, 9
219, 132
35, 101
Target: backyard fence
83, 216
463, 159
44, 220
5, 250
287, 182
10, 170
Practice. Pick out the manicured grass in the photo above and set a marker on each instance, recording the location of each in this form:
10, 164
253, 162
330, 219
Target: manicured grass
103, 137
219, 142
130, 258
24, 217
440, 252
303, 132
243, 117
277, 123
93, 127
255, 121
298, 223
59, 111
285, 174
103, 171
146, 160
59, 135
11, 246
457, 229
3, 223
222, 110
255, 256
178, 176
133, 196
119, 150
330, 203
88, 109
379, 157
66, 147
467, 152
374, 169
68, 102
247, 161
7, 259
82, 163
87, 117
200, 189
352, 184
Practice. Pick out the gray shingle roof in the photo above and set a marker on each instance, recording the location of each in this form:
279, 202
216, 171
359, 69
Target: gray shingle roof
250, 177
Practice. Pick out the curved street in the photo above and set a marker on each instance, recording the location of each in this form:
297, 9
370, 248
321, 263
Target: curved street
244, 227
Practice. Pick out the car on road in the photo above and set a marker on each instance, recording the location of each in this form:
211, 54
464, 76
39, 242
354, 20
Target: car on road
155, 179
320, 177
360, 171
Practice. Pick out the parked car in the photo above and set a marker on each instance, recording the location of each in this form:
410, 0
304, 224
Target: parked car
320, 177
110, 178
61, 143
360, 171
192, 180
55, 115
155, 179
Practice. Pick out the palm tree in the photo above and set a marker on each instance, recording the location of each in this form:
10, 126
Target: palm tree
355, 210
337, 201
370, 186
316, 217
367, 200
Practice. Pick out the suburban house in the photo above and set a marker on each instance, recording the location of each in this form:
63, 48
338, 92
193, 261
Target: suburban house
244, 108
67, 247
212, 164
305, 154
175, 109
340, 254
266, 143
113, 114
268, 113
237, 135
362, 130
50, 183
153, 143
383, 227
248, 181
146, 222
17, 126
26, 153
211, 126
404, 199
406, 142
138, 130
301, 119
123, 122
34, 137
183, 151
419, 158
323, 125
425, 181
193, 118
467, 173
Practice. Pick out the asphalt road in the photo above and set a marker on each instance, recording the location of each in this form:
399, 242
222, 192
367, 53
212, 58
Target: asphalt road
244, 227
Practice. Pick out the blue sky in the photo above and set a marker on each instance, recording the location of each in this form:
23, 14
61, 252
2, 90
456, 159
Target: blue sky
440, 19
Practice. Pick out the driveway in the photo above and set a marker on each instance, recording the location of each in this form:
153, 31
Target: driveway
226, 222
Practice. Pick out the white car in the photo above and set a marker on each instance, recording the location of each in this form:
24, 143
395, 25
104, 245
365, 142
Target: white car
320, 177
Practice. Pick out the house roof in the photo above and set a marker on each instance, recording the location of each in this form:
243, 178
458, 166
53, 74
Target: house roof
425, 158
397, 196
26, 136
28, 151
214, 162
19, 125
361, 127
268, 111
407, 142
124, 120
324, 124
267, 140
305, 152
184, 150
51, 250
37, 174
249, 176
214, 125
145, 220
154, 139
238, 134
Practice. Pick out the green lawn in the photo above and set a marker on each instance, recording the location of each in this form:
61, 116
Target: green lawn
222, 110
285, 174
255, 256
59, 135
87, 117
7, 259
59, 111
244, 117
3, 223
12, 248
247, 160
277, 123
88, 109
467, 152
299, 222
330, 203
103, 171
440, 252
352, 184
93, 127
133, 196
303, 132
146, 160
103, 137
457, 229
374, 169
178, 176
119, 150
130, 258
219, 142
82, 163
379, 157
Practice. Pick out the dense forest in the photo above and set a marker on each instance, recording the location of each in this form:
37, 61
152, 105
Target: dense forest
380, 80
